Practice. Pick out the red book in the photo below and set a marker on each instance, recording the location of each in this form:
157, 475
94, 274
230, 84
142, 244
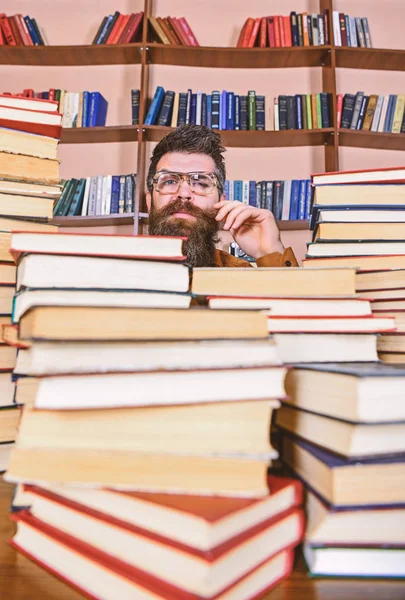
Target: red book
263, 33
133, 29
277, 33
127, 29
24, 31
189, 32
343, 32
270, 31
54, 131
115, 28
254, 33
247, 33
87, 569
28, 93
8, 34
241, 34
120, 28
282, 31
13, 21
179, 30
326, 26
339, 106
2, 38
287, 30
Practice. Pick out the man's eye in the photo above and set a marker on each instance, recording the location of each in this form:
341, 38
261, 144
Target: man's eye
169, 182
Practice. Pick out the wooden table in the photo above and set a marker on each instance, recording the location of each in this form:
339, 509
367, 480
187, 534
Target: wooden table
20, 579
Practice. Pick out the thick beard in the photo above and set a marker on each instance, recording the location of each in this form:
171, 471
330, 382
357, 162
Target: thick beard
201, 233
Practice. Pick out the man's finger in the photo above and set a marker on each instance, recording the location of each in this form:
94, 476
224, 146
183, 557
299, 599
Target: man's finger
227, 208
240, 219
235, 213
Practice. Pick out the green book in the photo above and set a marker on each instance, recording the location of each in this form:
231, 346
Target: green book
318, 110
62, 197
309, 111
304, 112
77, 200
252, 110
64, 207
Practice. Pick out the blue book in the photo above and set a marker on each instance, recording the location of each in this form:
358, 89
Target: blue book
193, 109
301, 201
392, 112
85, 109
222, 110
294, 200
204, 109
226, 188
215, 109
252, 193
243, 113
105, 30
188, 106
31, 30
37, 31
77, 200
389, 112
181, 113
308, 198
97, 110
298, 111
238, 190
294, 28
115, 194
209, 111
260, 113
155, 106
165, 113
135, 95
129, 194
237, 112
230, 111
259, 193
362, 113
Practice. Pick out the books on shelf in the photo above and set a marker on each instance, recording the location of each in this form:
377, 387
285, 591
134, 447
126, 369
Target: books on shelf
17, 30
119, 29
171, 31
286, 199
302, 111
351, 31
295, 29
376, 113
96, 196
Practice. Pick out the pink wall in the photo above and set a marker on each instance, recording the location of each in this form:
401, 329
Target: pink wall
73, 22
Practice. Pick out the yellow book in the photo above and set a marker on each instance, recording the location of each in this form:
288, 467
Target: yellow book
398, 114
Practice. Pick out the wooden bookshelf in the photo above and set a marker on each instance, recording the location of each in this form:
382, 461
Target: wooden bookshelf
377, 59
69, 56
94, 221
100, 135
369, 139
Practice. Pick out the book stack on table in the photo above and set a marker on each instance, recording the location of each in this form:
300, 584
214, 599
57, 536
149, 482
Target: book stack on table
358, 220
29, 185
143, 448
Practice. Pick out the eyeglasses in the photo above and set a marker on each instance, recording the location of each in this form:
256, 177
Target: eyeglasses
199, 183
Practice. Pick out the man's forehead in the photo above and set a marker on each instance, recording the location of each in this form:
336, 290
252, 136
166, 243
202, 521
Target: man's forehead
183, 162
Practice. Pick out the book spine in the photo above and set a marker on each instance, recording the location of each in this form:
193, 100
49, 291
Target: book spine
295, 194
38, 32
356, 111
342, 25
244, 113
282, 112
198, 117
268, 204
309, 27
278, 199
294, 28
203, 109
398, 114
135, 96
181, 117
302, 200
347, 110
260, 113
209, 111
92, 197
367, 35
99, 30
321, 31
115, 194
166, 110
270, 32
77, 200
305, 35
187, 30
215, 101
318, 110
291, 110
285, 213
252, 193
15, 30
193, 109
339, 107
300, 31
85, 205
108, 25
7, 31
276, 115
383, 116
129, 193
360, 33
154, 108
230, 111
370, 110
326, 25
237, 112
377, 114
298, 111
347, 26
325, 110
287, 30
308, 198
315, 29
336, 28
309, 111
389, 115
353, 32
121, 197
263, 187
251, 110
258, 194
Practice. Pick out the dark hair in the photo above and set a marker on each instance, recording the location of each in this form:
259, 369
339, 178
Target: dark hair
191, 139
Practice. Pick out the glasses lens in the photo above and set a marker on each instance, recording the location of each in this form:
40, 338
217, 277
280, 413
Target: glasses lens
201, 183
168, 183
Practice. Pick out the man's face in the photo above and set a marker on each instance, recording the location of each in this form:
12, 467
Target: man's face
185, 212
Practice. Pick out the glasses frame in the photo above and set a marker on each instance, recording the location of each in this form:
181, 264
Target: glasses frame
186, 177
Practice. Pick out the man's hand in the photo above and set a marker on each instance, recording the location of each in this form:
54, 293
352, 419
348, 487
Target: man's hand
253, 229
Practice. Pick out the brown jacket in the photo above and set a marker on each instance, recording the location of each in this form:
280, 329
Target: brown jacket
276, 259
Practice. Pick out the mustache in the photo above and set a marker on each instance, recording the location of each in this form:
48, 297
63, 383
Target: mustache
179, 205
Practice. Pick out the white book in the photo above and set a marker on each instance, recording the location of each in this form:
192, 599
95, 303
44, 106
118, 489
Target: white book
383, 115
67, 118
245, 192
91, 210
377, 114
175, 109
99, 194
86, 197
336, 28
285, 215
269, 121
353, 32
231, 194
199, 108
276, 116
106, 195
75, 108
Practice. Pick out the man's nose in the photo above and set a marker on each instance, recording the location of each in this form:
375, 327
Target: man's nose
184, 190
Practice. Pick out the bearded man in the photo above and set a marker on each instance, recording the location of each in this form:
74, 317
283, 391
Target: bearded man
185, 197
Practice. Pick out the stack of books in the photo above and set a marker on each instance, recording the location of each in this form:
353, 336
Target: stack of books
286, 199
358, 220
344, 436
144, 440
119, 29
351, 31
100, 195
313, 314
172, 31
16, 30
302, 111
295, 29
384, 114
29, 185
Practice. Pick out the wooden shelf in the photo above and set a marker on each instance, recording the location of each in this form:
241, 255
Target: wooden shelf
282, 225
94, 221
256, 139
100, 135
239, 58
67, 56
370, 139
371, 58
